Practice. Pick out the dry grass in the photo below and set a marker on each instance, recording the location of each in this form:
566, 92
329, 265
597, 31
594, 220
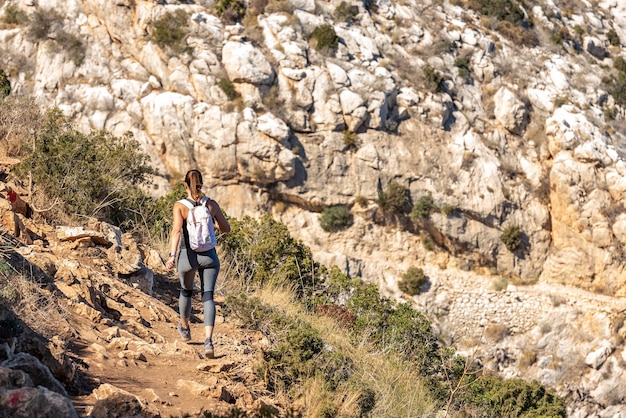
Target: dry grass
400, 392
19, 121
37, 307
496, 332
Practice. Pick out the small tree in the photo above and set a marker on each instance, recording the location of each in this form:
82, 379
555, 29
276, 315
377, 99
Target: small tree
395, 199
325, 37
335, 218
422, 208
95, 174
511, 237
412, 281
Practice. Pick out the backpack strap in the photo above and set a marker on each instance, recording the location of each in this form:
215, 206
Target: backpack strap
186, 203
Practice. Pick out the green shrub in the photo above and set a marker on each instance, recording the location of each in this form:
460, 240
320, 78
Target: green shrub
361, 200
423, 207
170, 30
616, 86
507, 10
350, 139
579, 31
266, 252
613, 37
448, 209
228, 88
511, 237
432, 79
230, 11
395, 199
158, 214
412, 281
95, 174
510, 19
428, 242
462, 63
325, 37
335, 218
5, 85
619, 63
346, 12
501, 283
495, 397
13, 15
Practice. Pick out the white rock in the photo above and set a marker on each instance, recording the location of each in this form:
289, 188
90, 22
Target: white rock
246, 64
273, 127
350, 101
510, 111
338, 75
597, 357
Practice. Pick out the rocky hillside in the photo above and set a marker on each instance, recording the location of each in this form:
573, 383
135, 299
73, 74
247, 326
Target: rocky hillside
505, 119
94, 333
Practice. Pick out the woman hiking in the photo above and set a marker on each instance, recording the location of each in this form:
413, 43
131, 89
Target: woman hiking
203, 260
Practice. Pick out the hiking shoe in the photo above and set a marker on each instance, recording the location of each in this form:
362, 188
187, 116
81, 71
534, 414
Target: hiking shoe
185, 333
208, 348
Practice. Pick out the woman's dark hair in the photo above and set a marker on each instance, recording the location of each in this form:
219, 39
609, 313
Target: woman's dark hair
193, 180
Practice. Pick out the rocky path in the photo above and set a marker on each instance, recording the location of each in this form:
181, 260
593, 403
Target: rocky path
166, 376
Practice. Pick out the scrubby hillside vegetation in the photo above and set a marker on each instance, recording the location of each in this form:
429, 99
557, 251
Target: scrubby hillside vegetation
464, 156
333, 346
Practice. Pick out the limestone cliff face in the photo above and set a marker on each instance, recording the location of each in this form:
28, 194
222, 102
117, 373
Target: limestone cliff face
510, 135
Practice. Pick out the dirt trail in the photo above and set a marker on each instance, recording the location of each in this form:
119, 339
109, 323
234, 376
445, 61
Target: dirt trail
150, 361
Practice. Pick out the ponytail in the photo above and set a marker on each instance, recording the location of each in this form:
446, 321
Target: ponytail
193, 179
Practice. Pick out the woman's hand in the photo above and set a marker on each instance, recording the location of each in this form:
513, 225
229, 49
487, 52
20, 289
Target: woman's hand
169, 264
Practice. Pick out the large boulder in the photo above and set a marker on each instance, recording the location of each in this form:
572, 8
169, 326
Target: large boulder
510, 111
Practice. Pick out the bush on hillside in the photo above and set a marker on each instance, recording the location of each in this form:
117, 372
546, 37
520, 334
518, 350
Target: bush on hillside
616, 86
619, 63
170, 30
265, 252
228, 88
158, 214
346, 12
20, 116
412, 281
350, 139
230, 11
42, 22
95, 174
432, 79
45, 24
423, 207
5, 85
495, 397
297, 353
506, 10
613, 37
336, 218
511, 237
394, 199
13, 15
325, 37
